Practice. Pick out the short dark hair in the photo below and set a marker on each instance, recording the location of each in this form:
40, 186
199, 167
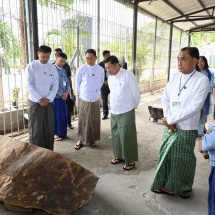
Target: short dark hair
63, 55
45, 49
113, 59
205, 60
193, 51
58, 50
105, 52
91, 51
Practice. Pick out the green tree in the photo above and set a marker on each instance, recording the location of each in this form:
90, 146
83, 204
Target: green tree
52, 3
199, 39
66, 4
67, 35
9, 44
145, 42
23, 34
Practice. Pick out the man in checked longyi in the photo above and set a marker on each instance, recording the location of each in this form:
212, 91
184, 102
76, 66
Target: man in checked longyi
182, 101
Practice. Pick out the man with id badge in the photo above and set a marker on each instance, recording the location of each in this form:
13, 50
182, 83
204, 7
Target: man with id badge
60, 105
182, 100
69, 101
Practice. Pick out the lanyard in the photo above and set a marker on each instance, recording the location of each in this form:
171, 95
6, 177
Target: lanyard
184, 87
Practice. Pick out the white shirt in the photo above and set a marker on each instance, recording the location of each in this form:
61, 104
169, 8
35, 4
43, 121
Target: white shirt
89, 81
184, 110
124, 92
41, 81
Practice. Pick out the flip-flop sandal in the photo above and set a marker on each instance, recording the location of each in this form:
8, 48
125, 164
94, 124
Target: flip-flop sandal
78, 146
92, 144
163, 192
129, 165
185, 195
56, 136
116, 161
59, 139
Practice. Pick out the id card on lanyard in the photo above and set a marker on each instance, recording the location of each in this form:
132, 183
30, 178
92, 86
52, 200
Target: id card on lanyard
175, 106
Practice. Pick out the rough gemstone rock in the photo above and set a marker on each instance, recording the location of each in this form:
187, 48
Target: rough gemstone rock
34, 177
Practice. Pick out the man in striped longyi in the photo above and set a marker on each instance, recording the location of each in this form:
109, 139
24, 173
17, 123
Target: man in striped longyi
89, 80
182, 101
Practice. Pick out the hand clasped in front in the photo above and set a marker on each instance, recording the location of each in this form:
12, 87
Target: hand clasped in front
172, 128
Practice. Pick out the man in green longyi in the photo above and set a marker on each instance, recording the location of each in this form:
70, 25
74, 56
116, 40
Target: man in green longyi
182, 101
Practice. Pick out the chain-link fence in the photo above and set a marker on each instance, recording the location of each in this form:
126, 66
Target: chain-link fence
75, 26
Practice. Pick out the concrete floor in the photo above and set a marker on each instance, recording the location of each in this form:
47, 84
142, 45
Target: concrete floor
120, 192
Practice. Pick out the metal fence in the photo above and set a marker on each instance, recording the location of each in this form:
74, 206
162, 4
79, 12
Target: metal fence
12, 45
74, 26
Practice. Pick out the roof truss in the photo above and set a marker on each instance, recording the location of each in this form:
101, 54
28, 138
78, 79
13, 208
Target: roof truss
200, 22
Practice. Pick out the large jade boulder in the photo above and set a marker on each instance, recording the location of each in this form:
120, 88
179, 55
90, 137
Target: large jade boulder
34, 177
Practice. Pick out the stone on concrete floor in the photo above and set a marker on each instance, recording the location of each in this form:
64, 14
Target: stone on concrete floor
156, 111
34, 177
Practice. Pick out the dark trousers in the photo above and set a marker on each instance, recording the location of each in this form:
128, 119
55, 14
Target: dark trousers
211, 193
69, 110
214, 111
104, 92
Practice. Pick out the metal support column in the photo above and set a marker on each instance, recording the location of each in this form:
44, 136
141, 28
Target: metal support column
34, 35
134, 40
28, 30
170, 50
77, 45
180, 40
189, 39
126, 45
153, 59
98, 32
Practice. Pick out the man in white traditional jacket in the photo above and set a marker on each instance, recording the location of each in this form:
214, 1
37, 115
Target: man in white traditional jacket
124, 98
89, 80
41, 79
182, 101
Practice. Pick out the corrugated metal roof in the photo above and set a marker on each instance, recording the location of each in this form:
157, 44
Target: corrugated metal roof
188, 15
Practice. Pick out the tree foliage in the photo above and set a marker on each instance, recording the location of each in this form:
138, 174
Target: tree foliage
67, 35
9, 44
66, 4
203, 38
53, 3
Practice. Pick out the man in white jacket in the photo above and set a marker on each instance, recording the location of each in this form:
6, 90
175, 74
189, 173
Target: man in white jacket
41, 80
182, 101
89, 80
124, 98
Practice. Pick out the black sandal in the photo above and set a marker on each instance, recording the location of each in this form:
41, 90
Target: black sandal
129, 167
92, 144
160, 191
185, 195
116, 161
